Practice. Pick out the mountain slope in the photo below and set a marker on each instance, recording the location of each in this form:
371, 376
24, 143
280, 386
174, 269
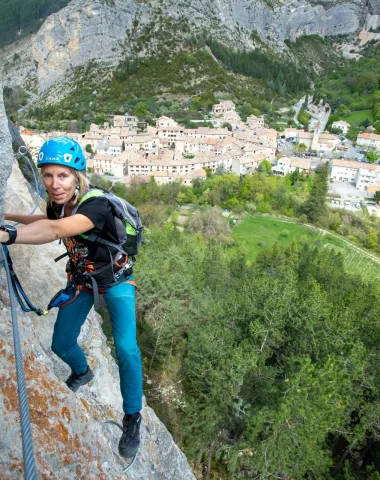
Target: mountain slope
22, 17
108, 31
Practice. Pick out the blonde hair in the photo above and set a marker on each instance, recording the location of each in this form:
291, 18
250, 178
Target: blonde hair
81, 180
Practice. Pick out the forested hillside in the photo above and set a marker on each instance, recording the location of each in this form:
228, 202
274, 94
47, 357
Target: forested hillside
267, 368
281, 77
182, 85
262, 371
353, 91
22, 17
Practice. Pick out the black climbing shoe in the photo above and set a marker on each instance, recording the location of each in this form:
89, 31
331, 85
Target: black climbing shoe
75, 381
130, 440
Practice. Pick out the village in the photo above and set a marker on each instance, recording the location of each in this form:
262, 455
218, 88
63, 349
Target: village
169, 152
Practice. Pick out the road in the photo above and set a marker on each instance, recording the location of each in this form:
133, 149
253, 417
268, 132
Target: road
351, 154
297, 107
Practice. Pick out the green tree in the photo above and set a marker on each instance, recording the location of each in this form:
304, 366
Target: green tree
227, 125
372, 156
300, 147
181, 198
304, 117
265, 167
208, 172
140, 110
343, 111
372, 240
220, 170
315, 206
295, 176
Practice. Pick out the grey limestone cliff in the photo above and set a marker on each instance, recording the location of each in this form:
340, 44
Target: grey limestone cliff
374, 7
71, 440
106, 31
5, 153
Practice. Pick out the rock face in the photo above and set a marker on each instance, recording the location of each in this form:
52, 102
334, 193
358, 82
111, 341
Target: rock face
374, 7
5, 153
71, 440
106, 31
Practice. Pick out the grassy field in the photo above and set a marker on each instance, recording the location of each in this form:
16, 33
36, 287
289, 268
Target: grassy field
259, 233
359, 116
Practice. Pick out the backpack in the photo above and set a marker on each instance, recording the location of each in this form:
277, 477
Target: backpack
128, 223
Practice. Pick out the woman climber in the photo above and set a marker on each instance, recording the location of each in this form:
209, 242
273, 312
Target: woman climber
63, 168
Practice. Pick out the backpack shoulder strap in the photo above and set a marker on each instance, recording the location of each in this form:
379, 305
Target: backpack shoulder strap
92, 192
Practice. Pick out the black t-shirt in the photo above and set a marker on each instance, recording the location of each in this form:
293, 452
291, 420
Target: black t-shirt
83, 254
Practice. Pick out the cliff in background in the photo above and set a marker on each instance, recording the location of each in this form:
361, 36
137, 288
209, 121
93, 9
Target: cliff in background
70, 439
106, 32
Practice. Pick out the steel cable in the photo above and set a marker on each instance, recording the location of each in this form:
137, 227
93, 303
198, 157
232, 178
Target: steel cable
26, 430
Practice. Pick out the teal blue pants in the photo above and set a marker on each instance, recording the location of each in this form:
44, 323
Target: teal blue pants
120, 301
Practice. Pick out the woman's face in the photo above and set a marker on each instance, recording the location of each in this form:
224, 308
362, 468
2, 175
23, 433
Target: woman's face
60, 182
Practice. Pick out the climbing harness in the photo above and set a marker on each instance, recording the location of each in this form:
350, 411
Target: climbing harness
26, 431
17, 288
72, 290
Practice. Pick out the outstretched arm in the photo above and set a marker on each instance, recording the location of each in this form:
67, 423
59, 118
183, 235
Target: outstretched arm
46, 231
24, 219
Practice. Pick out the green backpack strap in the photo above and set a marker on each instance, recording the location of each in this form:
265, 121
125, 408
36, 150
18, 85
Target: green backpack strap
93, 192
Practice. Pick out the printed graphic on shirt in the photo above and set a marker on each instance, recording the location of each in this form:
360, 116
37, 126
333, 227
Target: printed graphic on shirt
78, 254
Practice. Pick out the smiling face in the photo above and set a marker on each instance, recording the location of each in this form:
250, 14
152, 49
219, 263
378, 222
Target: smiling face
60, 183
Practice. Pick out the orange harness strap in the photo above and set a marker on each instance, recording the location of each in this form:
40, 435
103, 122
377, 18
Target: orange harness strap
132, 282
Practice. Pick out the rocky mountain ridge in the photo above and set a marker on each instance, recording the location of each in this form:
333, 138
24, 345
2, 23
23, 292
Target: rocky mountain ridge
71, 438
108, 31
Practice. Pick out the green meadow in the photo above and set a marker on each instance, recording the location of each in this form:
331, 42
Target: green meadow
258, 233
359, 116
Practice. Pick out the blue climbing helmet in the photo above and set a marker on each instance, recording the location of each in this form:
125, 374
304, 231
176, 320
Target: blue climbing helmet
62, 151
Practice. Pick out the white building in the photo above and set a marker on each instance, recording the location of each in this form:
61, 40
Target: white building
109, 164
357, 173
115, 147
164, 122
225, 106
287, 165
205, 132
129, 121
146, 143
162, 178
341, 125
253, 121
370, 140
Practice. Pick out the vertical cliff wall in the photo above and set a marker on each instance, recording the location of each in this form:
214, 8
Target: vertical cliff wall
5, 153
107, 31
71, 439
